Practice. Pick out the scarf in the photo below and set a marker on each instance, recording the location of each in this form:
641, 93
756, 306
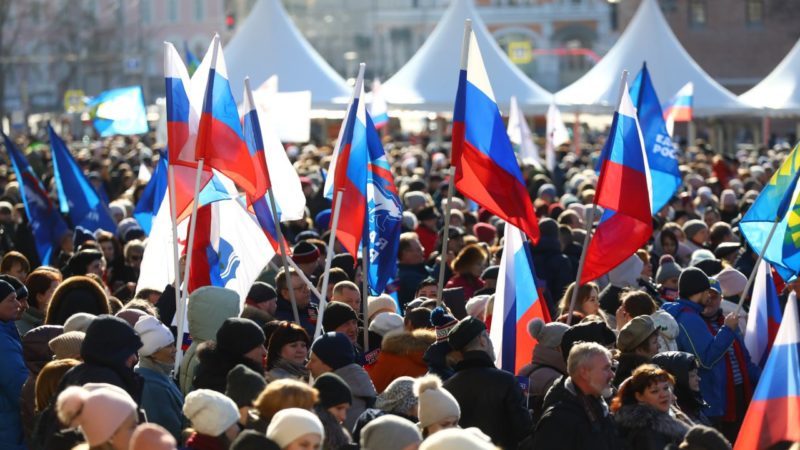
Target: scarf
294, 370
730, 389
158, 367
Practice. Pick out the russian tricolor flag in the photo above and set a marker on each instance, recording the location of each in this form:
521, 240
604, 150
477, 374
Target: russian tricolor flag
679, 107
517, 302
624, 192
378, 109
349, 168
774, 412
486, 167
764, 318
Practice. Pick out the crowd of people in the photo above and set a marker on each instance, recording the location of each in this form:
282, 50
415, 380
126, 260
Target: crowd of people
652, 357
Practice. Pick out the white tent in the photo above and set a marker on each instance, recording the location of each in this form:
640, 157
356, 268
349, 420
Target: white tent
779, 92
267, 43
649, 38
428, 81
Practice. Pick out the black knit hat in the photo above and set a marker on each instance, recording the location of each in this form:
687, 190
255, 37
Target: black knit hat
80, 261
108, 340
261, 292
587, 332
692, 281
5, 289
243, 385
464, 332
334, 349
238, 336
336, 314
253, 440
332, 390
428, 212
305, 252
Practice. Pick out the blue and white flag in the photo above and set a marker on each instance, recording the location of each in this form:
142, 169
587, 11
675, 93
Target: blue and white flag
152, 195
76, 196
46, 223
120, 111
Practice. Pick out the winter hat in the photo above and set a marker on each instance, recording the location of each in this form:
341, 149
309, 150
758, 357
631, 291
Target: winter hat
238, 336
726, 249
305, 252
692, 227
667, 268
710, 267
79, 261
700, 255
415, 200
587, 332
99, 409
435, 402
731, 281
379, 304
548, 227
78, 322
385, 323
465, 331
389, 432
151, 436
701, 437
333, 390
334, 349
635, 332
19, 286
337, 314
442, 322
476, 306
243, 385
398, 396
261, 292
81, 235
485, 232
5, 289
210, 412
727, 198
67, 345
462, 439
547, 334
547, 189
409, 221
627, 272
427, 213
131, 315
291, 423
490, 273
253, 440
692, 281
112, 337
322, 219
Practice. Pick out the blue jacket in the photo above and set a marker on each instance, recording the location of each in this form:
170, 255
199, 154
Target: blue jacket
162, 401
12, 376
694, 337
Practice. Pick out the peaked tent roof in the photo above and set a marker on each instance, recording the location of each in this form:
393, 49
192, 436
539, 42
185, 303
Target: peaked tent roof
779, 92
649, 38
428, 81
267, 44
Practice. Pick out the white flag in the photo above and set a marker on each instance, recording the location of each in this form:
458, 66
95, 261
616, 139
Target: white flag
557, 134
520, 134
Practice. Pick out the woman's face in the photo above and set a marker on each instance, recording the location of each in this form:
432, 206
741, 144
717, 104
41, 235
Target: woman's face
339, 411
108, 250
694, 380
122, 437
43, 299
657, 395
309, 441
591, 305
295, 352
450, 422
165, 355
669, 246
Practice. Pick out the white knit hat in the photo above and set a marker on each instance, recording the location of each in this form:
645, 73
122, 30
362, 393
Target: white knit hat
379, 304
154, 335
435, 402
385, 323
210, 412
731, 281
476, 306
291, 423
78, 322
462, 439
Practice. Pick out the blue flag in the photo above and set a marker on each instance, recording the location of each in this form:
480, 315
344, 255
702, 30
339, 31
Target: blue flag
46, 223
152, 195
661, 153
384, 214
120, 111
76, 195
192, 63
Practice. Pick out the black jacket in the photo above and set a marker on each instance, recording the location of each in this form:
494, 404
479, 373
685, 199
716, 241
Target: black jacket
554, 268
212, 371
573, 421
436, 359
490, 399
628, 362
645, 428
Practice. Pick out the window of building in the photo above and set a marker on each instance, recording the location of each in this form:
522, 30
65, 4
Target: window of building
754, 12
698, 14
669, 6
146, 11
199, 10
172, 10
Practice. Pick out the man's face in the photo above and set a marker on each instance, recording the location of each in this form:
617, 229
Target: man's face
428, 291
134, 258
302, 294
316, 366
350, 297
599, 375
349, 329
414, 254
269, 306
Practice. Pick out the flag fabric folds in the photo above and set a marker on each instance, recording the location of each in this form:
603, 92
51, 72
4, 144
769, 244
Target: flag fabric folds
152, 196
384, 215
624, 192
516, 303
662, 156
520, 135
486, 167
777, 202
774, 410
76, 196
764, 317
46, 223
557, 134
120, 111
378, 109
679, 107
349, 172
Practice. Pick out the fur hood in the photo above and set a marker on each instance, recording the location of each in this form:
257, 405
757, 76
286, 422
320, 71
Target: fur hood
645, 417
404, 342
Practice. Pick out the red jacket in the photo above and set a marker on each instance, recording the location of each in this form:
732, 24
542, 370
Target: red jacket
401, 355
427, 238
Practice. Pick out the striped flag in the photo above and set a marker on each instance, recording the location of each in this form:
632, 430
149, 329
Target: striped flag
679, 107
764, 318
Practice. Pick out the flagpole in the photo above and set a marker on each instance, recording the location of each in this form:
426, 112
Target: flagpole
589, 224
181, 324
276, 221
365, 290
752, 276
445, 235
323, 301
